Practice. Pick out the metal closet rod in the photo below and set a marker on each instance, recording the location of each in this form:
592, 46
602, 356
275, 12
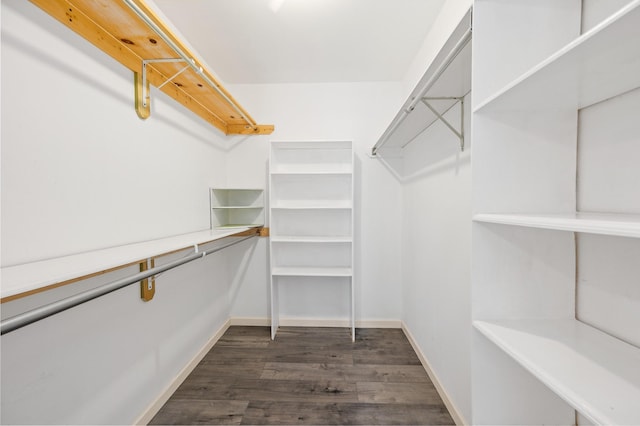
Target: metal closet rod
29, 317
190, 61
466, 37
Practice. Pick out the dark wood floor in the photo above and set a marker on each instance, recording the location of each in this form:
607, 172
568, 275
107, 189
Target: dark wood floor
307, 376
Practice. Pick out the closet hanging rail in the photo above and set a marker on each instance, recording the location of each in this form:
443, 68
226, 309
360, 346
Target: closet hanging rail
421, 94
29, 317
190, 61
131, 32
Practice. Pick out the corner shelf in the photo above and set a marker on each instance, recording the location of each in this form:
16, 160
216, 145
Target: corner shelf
568, 356
131, 33
236, 207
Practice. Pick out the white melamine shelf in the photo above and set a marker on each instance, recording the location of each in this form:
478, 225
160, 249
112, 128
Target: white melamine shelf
602, 63
36, 275
312, 172
595, 373
310, 239
593, 223
236, 207
310, 271
311, 205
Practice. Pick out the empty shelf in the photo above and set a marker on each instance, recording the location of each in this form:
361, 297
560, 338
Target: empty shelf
593, 223
309, 271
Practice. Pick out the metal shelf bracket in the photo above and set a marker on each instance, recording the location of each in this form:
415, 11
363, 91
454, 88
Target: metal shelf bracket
141, 85
459, 134
147, 285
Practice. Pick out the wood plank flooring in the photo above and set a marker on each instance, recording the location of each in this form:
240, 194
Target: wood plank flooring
307, 376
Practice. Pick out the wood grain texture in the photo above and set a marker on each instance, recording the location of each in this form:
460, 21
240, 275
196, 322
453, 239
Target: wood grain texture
307, 376
115, 29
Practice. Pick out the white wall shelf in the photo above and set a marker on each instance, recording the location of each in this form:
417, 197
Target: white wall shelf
554, 282
312, 272
36, 276
593, 223
236, 207
311, 205
573, 76
568, 356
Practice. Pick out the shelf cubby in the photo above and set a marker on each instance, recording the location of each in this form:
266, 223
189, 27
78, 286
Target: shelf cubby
236, 207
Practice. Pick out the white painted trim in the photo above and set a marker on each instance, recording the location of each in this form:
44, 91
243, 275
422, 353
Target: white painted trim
453, 410
324, 322
156, 405
250, 321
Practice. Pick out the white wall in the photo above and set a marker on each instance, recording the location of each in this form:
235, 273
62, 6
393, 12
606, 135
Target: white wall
437, 235
80, 172
349, 111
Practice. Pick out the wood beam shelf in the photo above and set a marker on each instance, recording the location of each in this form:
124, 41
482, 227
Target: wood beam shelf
131, 33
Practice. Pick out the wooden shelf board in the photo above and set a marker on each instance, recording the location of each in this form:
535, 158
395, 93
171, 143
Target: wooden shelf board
593, 372
32, 277
592, 223
115, 29
602, 63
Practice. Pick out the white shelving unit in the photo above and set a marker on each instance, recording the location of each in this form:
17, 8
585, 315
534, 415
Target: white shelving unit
311, 215
555, 307
236, 207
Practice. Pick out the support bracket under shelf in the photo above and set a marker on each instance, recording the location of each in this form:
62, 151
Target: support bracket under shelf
459, 134
147, 285
141, 85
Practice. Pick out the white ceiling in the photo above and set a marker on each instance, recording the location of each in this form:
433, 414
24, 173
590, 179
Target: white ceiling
304, 41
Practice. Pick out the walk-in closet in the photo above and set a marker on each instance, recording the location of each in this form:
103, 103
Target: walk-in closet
420, 212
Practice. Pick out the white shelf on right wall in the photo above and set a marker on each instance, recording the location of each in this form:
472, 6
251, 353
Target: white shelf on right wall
620, 225
573, 76
570, 358
556, 212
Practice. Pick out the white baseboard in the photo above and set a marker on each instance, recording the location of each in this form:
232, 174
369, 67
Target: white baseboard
156, 405
455, 413
315, 322
250, 321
